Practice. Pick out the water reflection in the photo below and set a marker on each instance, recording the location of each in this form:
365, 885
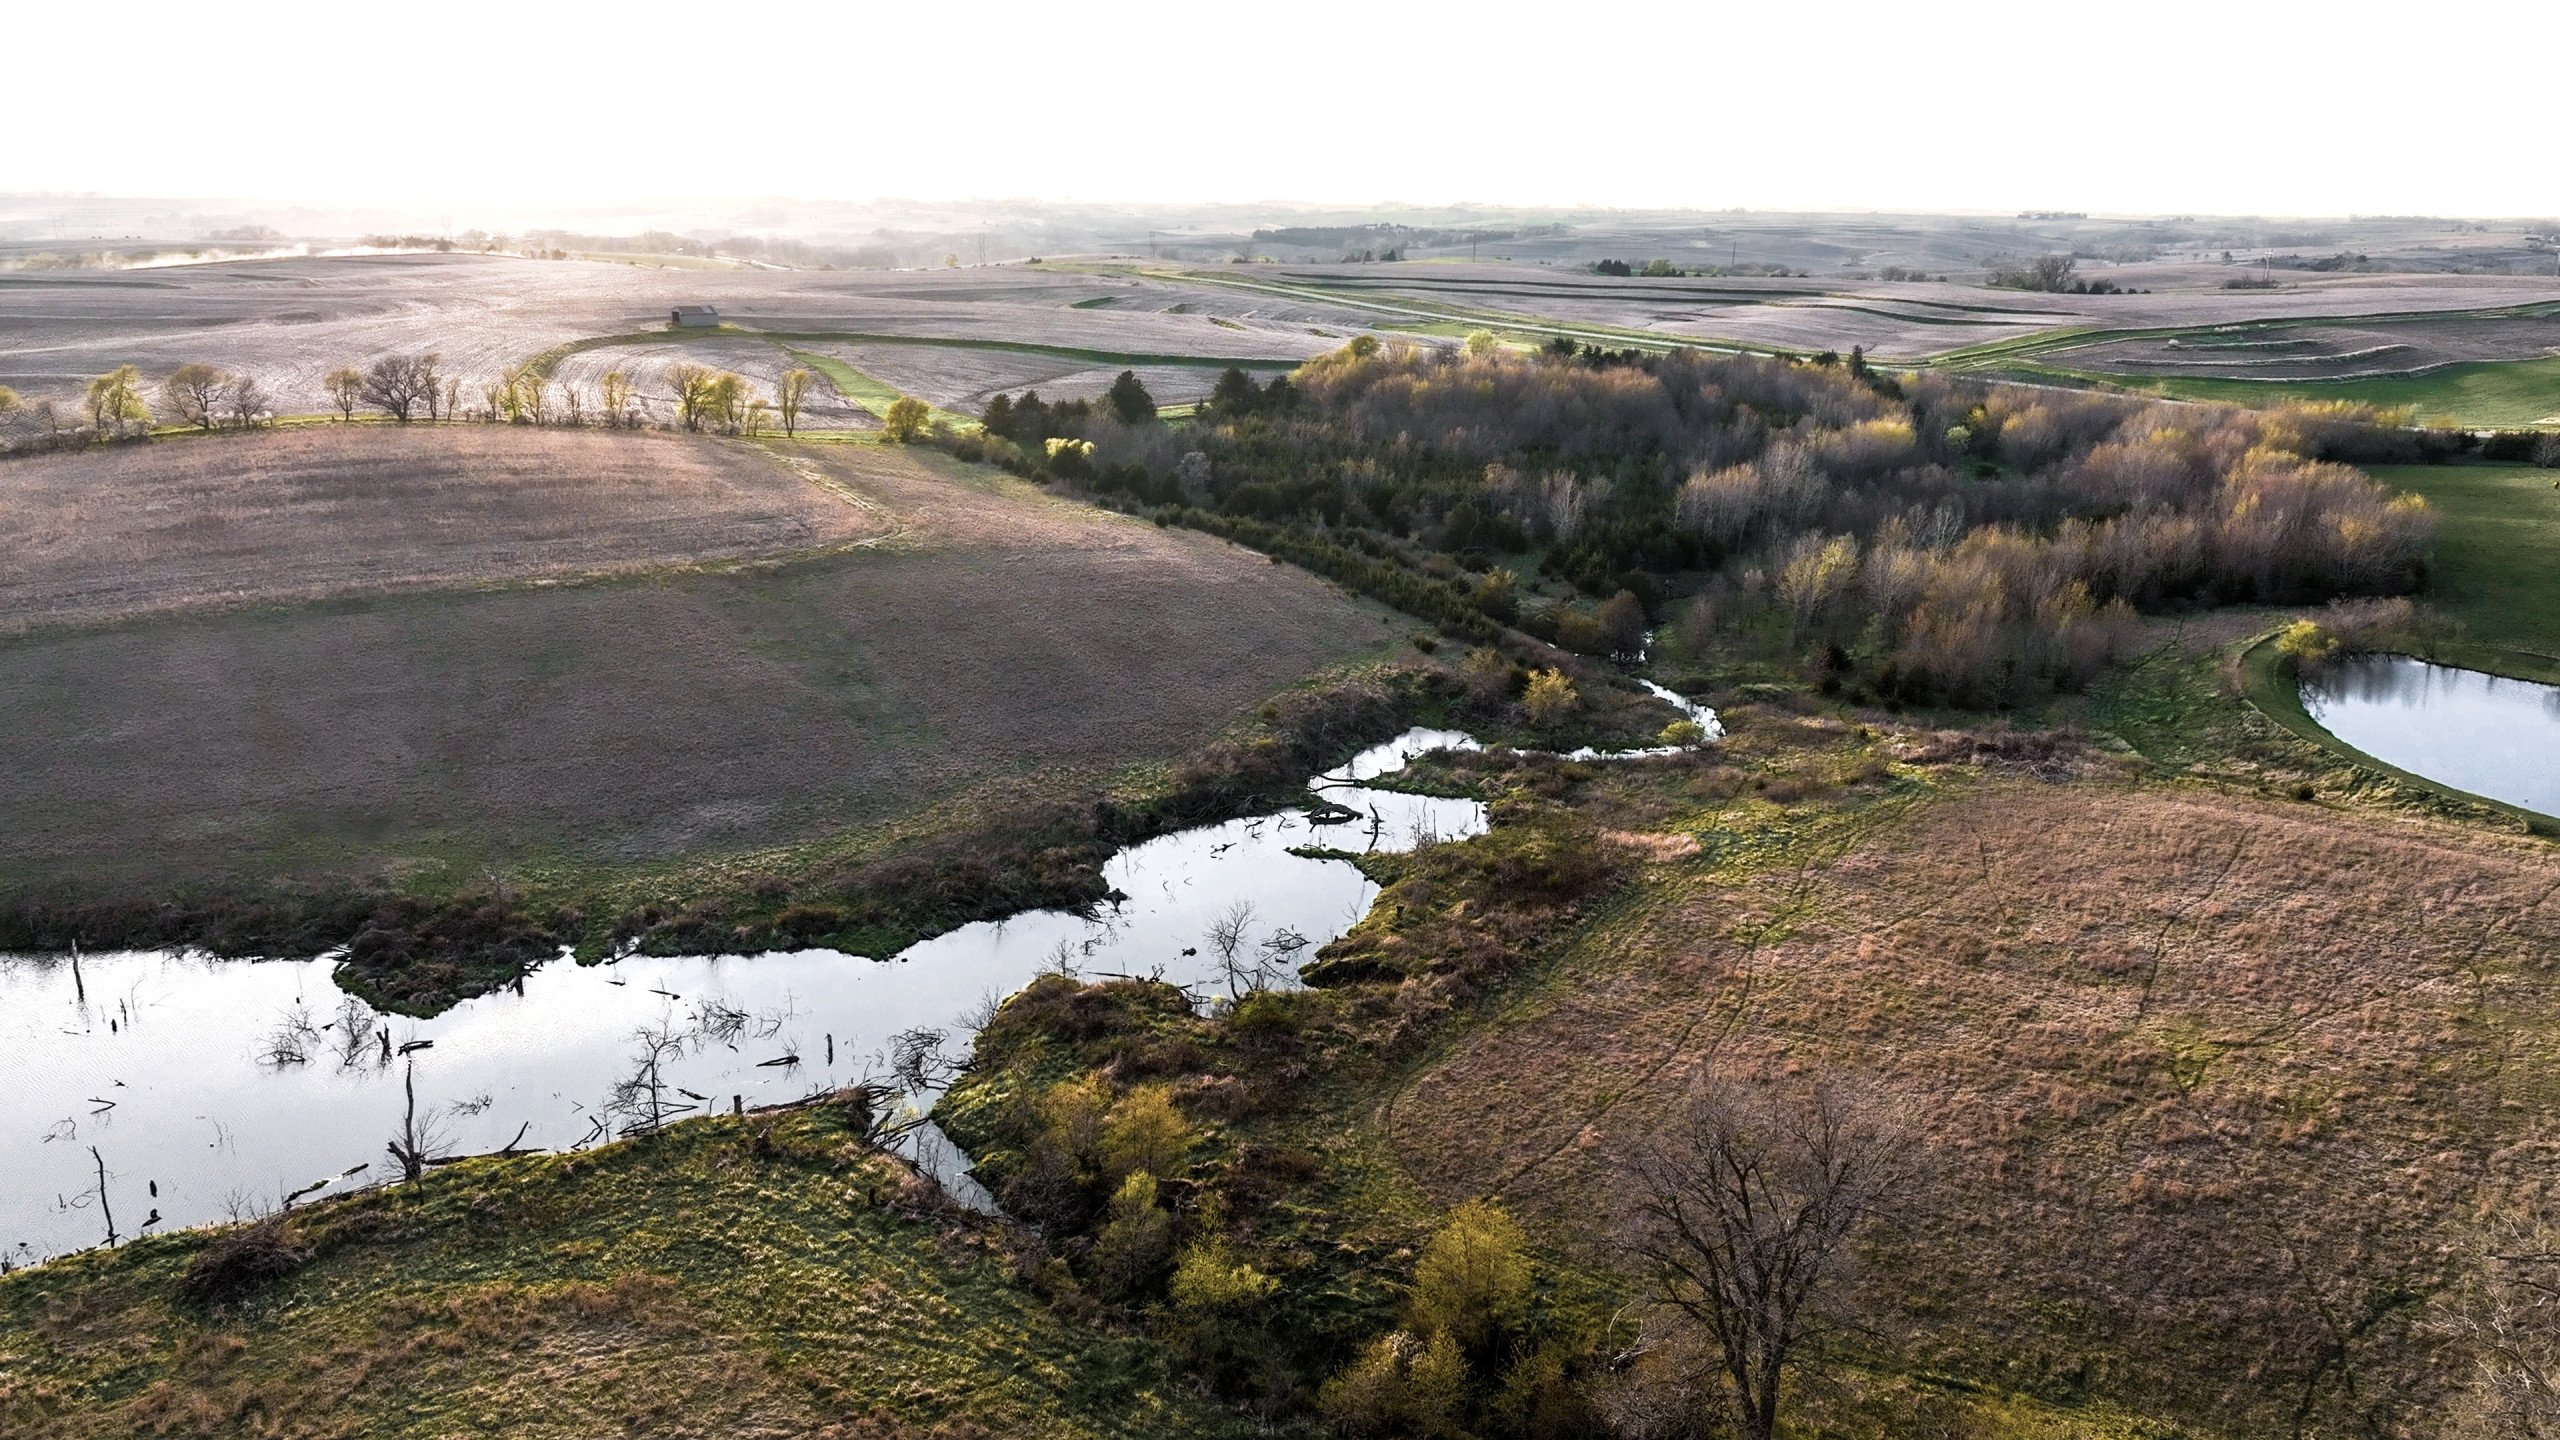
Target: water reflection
2482, 733
210, 1089
213, 1089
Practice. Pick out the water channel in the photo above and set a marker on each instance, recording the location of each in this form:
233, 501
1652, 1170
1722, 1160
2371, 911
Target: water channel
210, 1089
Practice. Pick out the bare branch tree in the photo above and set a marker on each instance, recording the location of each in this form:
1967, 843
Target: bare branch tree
420, 1136
1226, 935
245, 402
641, 1097
1748, 1225
398, 385
192, 394
916, 1059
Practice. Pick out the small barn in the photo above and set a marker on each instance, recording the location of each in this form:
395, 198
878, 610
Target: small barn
705, 316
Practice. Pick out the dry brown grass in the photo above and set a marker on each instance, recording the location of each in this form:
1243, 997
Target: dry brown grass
2210, 1083
348, 509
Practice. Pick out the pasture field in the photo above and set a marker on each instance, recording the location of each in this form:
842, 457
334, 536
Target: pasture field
573, 1296
334, 510
2497, 555
2487, 394
992, 635
2189, 1065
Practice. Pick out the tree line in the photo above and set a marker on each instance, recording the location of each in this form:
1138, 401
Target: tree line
124, 405
1915, 539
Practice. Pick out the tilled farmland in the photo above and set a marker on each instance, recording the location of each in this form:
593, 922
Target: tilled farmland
993, 632
331, 510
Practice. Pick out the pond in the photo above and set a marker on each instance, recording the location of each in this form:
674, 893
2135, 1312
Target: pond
2482, 733
209, 1089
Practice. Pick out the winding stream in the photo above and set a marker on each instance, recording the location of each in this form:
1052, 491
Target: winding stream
211, 1089
2477, 732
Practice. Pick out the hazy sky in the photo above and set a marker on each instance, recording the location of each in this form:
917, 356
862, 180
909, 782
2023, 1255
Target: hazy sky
2234, 107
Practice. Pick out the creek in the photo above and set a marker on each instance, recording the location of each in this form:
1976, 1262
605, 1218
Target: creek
214, 1089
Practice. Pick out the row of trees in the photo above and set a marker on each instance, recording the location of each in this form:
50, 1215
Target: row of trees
122, 404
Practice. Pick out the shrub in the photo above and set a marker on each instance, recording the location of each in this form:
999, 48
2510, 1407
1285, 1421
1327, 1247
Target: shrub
1209, 1279
2306, 645
240, 1262
1550, 698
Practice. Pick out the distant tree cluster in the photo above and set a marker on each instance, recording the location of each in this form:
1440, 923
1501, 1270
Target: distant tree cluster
1914, 539
2054, 274
1650, 269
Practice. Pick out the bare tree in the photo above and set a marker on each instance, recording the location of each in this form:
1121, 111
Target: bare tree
419, 1137
1244, 970
397, 385
245, 402
917, 1061
1748, 1226
346, 391
789, 393
641, 1097
193, 394
430, 380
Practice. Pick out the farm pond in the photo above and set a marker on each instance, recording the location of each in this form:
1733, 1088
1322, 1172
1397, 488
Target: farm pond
160, 1089
2482, 733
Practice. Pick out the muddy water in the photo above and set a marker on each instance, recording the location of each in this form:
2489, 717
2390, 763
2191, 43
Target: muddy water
2481, 733
213, 1089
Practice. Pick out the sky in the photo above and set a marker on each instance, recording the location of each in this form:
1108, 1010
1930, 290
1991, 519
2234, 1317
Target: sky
2238, 107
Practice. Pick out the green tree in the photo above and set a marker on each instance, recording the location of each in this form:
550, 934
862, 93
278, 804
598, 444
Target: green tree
788, 394
192, 394
1235, 390
692, 386
115, 399
1483, 342
1144, 1131
906, 420
1473, 1279
1130, 400
1131, 1249
727, 401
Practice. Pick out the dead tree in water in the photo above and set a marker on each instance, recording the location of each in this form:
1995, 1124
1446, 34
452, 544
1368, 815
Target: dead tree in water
414, 1146
103, 1207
